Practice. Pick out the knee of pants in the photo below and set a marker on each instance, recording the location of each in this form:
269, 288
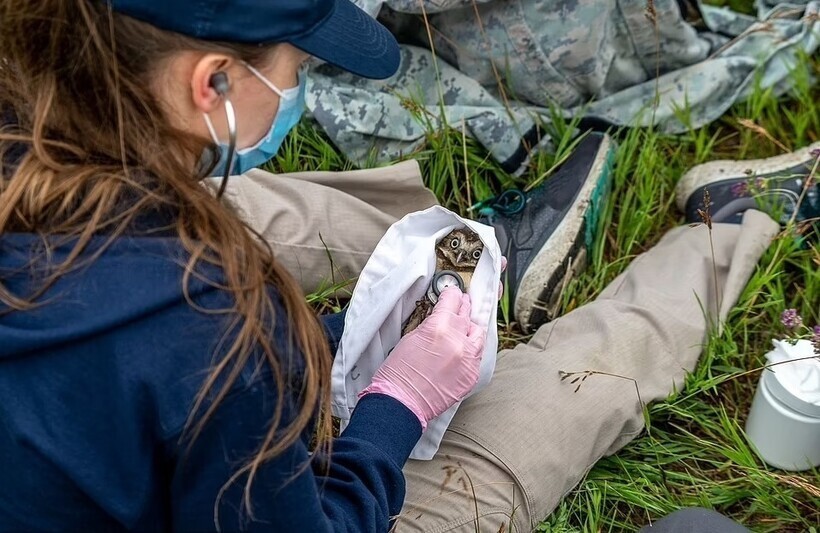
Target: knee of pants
695, 520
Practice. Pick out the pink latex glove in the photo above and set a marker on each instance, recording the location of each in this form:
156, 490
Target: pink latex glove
435, 365
503, 268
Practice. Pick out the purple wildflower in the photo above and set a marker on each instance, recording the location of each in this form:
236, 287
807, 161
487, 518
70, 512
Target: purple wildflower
740, 189
790, 319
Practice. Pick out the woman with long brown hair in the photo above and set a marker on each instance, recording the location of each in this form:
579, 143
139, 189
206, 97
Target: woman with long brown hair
186, 371
159, 367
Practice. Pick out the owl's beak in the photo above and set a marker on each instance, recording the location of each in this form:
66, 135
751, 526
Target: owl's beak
459, 257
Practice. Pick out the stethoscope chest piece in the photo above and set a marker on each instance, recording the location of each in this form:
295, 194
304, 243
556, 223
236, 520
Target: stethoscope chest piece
443, 279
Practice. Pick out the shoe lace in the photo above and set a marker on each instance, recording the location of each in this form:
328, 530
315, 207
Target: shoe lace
778, 199
509, 202
801, 201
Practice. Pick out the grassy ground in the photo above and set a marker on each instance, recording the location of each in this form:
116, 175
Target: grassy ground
695, 452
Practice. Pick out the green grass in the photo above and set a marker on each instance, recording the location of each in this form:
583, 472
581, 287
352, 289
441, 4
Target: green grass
695, 452
741, 6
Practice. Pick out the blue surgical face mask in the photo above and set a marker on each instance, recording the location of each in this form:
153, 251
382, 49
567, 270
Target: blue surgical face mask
291, 106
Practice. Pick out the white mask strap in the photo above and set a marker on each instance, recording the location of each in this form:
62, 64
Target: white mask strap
211, 129
267, 82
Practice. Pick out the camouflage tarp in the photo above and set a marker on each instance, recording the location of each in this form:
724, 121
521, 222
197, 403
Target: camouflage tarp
500, 65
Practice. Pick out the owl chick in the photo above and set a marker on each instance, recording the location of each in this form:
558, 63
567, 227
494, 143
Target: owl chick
459, 251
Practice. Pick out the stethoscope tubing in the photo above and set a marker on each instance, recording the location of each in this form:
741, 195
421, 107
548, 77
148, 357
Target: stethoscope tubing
230, 115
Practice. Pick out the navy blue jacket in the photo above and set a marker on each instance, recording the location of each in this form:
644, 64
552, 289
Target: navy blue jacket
96, 385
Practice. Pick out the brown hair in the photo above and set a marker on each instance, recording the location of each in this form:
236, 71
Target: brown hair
76, 76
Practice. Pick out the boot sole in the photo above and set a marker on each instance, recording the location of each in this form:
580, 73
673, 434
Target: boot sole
564, 255
726, 169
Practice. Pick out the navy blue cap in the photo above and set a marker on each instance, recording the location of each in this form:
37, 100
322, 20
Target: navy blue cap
335, 31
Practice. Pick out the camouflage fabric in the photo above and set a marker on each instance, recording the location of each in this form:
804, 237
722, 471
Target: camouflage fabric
500, 66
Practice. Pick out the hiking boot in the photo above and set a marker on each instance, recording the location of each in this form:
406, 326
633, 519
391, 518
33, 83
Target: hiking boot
545, 233
777, 186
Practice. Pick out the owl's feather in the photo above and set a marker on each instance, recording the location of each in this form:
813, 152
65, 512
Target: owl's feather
423, 308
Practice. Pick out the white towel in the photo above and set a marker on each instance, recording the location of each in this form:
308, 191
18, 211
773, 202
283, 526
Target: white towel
397, 274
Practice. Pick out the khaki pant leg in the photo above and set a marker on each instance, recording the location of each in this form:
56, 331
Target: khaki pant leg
313, 219
517, 447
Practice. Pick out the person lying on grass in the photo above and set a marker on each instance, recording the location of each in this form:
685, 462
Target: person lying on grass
161, 370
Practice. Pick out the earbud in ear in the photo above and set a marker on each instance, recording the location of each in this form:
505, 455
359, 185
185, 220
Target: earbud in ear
219, 82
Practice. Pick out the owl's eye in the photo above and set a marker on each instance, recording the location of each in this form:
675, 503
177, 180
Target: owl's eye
477, 254
455, 243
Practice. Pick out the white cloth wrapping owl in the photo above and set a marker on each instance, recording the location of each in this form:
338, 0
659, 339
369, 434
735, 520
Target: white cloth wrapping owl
397, 274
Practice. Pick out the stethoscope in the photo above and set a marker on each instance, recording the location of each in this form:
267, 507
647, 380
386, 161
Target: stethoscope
219, 82
443, 279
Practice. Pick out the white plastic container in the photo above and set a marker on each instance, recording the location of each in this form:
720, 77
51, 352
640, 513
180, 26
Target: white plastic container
784, 429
